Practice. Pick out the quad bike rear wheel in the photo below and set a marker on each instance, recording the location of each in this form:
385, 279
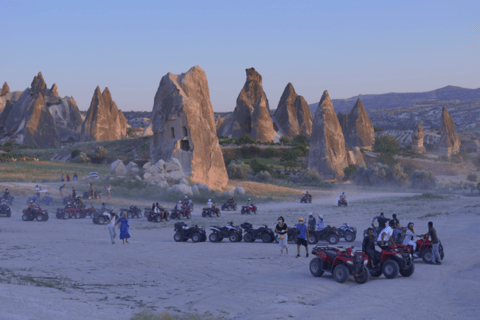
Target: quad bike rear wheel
266, 238
248, 237
316, 267
408, 272
312, 238
158, 218
427, 256
350, 236
66, 215
41, 217
340, 273
213, 237
204, 214
390, 269
333, 239
25, 217
177, 236
167, 218
219, 213
189, 215
375, 272
101, 220
233, 237
362, 276
196, 237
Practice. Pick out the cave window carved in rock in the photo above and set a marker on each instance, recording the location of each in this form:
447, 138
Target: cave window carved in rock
172, 131
184, 131
184, 145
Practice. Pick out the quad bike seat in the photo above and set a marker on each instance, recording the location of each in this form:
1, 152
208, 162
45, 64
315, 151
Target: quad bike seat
332, 254
246, 225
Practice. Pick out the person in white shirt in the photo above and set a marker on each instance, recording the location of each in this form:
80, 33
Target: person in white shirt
209, 203
111, 225
408, 240
386, 234
178, 206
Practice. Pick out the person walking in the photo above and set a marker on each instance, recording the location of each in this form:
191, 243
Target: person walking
37, 191
436, 259
74, 193
75, 177
124, 235
91, 191
109, 188
61, 189
68, 178
62, 177
282, 230
301, 236
111, 226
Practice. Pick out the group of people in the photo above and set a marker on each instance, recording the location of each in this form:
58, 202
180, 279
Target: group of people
113, 222
301, 235
75, 177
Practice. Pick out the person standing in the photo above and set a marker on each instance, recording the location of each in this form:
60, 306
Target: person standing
62, 177
75, 177
68, 178
74, 193
111, 226
109, 188
61, 189
124, 235
382, 221
282, 230
301, 236
91, 190
37, 191
311, 221
436, 258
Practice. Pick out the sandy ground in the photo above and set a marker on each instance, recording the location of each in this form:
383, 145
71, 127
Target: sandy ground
67, 269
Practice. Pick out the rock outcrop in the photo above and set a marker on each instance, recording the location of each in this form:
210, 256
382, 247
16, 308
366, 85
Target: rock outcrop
449, 142
417, 140
104, 121
343, 120
355, 156
293, 116
5, 89
40, 117
359, 131
184, 128
252, 113
327, 144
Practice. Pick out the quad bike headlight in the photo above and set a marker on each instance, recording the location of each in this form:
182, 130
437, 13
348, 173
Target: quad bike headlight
365, 262
350, 262
398, 255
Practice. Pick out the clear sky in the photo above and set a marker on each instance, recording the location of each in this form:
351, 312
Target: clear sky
345, 47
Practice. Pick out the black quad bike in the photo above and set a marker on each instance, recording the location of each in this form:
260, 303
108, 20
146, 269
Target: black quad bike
340, 263
35, 214
390, 262
183, 233
233, 233
347, 232
211, 212
342, 202
328, 234
306, 199
100, 218
227, 206
132, 212
5, 208
264, 233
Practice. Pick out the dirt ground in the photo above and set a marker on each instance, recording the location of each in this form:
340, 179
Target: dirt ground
67, 269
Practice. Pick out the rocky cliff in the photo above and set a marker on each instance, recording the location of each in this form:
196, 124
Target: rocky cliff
184, 128
449, 142
417, 139
359, 130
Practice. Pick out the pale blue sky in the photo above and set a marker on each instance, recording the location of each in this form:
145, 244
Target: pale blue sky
345, 47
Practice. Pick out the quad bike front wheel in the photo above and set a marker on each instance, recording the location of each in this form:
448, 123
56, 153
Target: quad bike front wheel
266, 238
189, 215
333, 239
177, 237
219, 213
25, 217
362, 276
196, 237
390, 269
312, 238
340, 273
408, 272
248, 237
427, 256
233, 237
350, 236
158, 218
40, 217
213, 237
316, 267
66, 215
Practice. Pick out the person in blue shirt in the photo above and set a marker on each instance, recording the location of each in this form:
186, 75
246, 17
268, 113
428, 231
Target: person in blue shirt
382, 221
301, 236
320, 224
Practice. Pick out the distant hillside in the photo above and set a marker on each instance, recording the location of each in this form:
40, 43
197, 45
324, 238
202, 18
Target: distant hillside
394, 100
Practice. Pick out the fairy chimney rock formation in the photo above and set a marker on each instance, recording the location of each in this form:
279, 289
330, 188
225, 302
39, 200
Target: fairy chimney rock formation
449, 142
293, 116
417, 140
184, 128
252, 113
327, 144
5, 89
104, 121
359, 131
343, 119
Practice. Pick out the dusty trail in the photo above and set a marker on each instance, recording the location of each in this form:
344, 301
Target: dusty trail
69, 270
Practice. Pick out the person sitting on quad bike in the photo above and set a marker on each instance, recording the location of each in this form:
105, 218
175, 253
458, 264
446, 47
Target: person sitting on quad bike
368, 246
6, 194
103, 208
74, 193
382, 221
308, 196
408, 240
78, 203
178, 206
311, 221
320, 224
231, 201
209, 203
343, 196
386, 234
249, 202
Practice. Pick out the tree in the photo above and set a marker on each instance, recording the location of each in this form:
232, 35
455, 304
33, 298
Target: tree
284, 141
387, 147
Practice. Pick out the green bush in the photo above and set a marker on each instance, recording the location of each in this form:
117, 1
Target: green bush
271, 153
75, 153
311, 177
386, 144
300, 140
409, 168
245, 139
380, 175
284, 141
349, 171
250, 152
238, 170
472, 177
257, 166
422, 180
263, 176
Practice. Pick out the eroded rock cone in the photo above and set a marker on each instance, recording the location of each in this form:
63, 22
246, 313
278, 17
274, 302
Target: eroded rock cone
5, 89
343, 120
417, 140
184, 128
104, 121
252, 113
293, 116
327, 144
359, 131
449, 142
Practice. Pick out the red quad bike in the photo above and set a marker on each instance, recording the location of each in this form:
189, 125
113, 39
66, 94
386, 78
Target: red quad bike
211, 212
32, 214
391, 261
342, 202
339, 263
249, 209
424, 250
180, 214
163, 215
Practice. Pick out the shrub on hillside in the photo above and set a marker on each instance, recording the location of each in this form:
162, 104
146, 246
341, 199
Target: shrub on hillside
472, 177
257, 166
263, 176
245, 139
75, 153
349, 171
271, 153
250, 152
238, 170
311, 177
422, 180
380, 175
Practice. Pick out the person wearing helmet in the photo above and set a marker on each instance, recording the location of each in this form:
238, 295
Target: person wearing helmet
308, 196
6, 194
386, 234
301, 236
320, 225
343, 196
311, 221
249, 202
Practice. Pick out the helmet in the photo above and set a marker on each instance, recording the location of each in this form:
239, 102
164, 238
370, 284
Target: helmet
343, 192
310, 214
300, 219
209, 200
179, 201
320, 216
186, 197
391, 223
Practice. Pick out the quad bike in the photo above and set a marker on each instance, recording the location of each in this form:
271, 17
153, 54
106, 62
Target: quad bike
211, 212
342, 202
100, 218
347, 232
249, 209
95, 195
188, 204
158, 216
390, 262
306, 199
5, 208
31, 214
339, 263
264, 233
183, 233
424, 250
180, 214
46, 199
233, 233
328, 234
8, 199
229, 206
132, 212
68, 199
76, 213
